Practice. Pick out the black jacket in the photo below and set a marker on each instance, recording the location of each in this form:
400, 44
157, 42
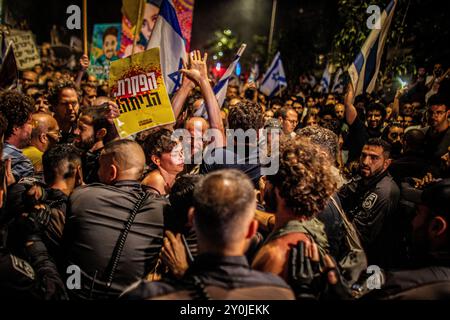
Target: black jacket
224, 272
371, 205
430, 283
95, 219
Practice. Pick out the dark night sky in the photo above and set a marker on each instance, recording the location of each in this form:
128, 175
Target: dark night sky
244, 17
306, 26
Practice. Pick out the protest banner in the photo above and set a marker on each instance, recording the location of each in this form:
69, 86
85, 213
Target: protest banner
25, 49
105, 45
137, 85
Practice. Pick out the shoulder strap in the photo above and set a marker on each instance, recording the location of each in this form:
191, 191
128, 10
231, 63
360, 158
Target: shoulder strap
117, 252
351, 234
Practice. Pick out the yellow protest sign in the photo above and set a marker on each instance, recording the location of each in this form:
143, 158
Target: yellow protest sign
137, 85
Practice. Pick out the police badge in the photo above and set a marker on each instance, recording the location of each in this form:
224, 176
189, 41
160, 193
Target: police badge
369, 201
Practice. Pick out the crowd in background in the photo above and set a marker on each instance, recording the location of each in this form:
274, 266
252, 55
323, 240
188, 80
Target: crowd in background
362, 181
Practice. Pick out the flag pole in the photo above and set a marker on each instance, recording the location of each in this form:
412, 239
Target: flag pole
272, 25
241, 49
137, 27
85, 43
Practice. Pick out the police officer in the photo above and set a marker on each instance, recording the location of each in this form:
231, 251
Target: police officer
371, 199
429, 277
223, 217
35, 278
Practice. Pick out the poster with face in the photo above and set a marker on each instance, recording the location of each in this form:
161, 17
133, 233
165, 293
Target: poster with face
105, 47
151, 11
184, 9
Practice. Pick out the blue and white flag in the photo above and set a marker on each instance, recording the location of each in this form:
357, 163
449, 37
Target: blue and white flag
326, 79
220, 89
338, 84
254, 73
364, 70
168, 37
274, 79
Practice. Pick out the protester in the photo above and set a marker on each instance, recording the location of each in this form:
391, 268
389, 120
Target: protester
17, 109
298, 201
45, 134
167, 159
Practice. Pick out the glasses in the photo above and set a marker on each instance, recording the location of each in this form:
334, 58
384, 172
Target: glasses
293, 122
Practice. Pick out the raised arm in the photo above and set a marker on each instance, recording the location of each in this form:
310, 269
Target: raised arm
84, 63
350, 110
199, 74
396, 104
181, 95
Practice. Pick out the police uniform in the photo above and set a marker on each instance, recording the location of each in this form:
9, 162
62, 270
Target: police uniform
370, 204
17, 277
215, 277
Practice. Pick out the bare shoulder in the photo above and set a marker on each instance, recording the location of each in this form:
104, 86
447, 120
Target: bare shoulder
155, 181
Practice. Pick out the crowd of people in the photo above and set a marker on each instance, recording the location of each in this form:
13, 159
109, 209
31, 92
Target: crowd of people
358, 208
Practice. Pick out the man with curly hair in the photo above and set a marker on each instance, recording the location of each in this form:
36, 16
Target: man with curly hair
17, 109
302, 187
65, 104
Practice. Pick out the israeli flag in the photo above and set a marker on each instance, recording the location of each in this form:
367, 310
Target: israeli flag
364, 70
168, 37
326, 79
220, 89
274, 79
254, 73
338, 85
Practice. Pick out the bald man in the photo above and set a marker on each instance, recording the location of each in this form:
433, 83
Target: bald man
97, 218
197, 127
44, 135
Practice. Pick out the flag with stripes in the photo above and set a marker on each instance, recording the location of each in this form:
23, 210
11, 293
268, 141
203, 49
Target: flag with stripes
254, 73
326, 79
364, 70
168, 37
220, 89
274, 79
338, 84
